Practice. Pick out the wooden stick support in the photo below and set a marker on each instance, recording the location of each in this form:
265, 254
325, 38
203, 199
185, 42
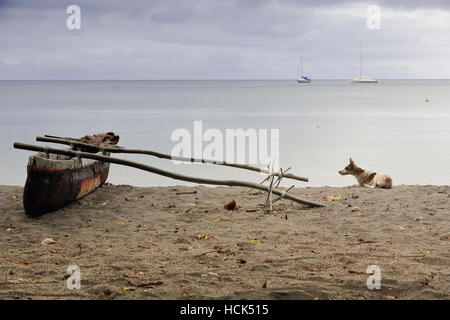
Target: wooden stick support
231, 183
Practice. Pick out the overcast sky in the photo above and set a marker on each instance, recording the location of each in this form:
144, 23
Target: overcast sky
223, 39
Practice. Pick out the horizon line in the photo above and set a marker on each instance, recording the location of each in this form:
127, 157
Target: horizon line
225, 79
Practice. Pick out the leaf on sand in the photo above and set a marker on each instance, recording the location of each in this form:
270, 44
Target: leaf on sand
214, 274
401, 228
9, 229
184, 291
134, 199
355, 209
333, 198
443, 191
13, 197
254, 241
128, 289
192, 204
216, 219
109, 249
144, 247
389, 296
200, 236
119, 222
308, 242
418, 219
424, 252
103, 204
146, 284
48, 241
309, 269
361, 240
356, 272
16, 280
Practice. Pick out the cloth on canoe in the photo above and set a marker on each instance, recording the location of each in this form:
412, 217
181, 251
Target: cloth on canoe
107, 138
101, 138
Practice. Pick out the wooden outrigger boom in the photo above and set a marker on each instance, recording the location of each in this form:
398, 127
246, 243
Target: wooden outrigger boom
73, 142
108, 159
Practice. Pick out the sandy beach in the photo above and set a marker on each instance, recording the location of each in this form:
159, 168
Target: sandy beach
172, 243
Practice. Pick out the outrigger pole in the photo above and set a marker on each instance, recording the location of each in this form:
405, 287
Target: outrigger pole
231, 183
98, 148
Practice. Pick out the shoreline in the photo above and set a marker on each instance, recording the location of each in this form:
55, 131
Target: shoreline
213, 186
152, 243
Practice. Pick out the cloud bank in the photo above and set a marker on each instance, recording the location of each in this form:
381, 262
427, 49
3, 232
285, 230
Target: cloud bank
229, 39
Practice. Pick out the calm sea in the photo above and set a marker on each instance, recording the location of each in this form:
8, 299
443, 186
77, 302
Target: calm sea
401, 127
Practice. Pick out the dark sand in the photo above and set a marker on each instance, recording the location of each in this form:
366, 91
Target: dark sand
159, 245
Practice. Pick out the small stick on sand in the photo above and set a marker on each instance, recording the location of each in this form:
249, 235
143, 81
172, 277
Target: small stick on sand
187, 192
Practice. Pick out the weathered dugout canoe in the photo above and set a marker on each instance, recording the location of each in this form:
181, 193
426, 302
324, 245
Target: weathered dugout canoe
55, 181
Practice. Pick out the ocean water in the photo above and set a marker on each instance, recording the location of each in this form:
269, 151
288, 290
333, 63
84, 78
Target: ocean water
400, 127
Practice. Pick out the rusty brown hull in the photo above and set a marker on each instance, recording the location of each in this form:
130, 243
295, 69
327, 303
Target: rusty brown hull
52, 183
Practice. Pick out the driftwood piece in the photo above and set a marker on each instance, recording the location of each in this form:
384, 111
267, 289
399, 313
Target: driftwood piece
231, 183
187, 192
74, 142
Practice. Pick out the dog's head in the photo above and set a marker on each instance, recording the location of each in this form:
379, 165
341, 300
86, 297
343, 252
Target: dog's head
349, 169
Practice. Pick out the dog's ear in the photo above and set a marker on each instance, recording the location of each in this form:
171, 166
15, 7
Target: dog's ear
351, 161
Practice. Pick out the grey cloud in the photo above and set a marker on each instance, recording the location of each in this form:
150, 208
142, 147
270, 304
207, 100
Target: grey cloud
216, 39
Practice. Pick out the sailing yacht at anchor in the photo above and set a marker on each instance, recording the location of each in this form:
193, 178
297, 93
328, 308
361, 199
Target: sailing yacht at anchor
303, 78
362, 79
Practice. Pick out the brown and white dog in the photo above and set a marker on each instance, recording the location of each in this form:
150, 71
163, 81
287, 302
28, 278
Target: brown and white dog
367, 178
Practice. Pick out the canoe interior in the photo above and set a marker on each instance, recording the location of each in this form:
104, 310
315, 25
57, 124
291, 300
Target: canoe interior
56, 180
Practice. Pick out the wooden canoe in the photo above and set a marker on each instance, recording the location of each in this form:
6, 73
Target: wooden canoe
54, 181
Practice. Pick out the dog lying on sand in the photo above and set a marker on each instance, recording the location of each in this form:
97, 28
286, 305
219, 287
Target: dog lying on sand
367, 178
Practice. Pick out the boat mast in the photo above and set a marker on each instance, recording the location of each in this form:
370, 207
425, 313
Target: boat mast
360, 59
301, 62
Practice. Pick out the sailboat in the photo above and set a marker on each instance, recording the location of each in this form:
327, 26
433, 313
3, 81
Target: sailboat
303, 78
363, 79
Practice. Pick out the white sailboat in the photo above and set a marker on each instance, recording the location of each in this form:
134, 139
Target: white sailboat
302, 78
363, 79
